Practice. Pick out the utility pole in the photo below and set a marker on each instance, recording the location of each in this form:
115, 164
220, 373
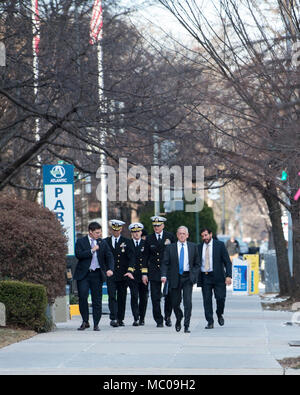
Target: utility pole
96, 34
156, 174
223, 211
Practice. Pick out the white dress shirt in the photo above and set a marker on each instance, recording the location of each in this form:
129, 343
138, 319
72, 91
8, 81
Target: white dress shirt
114, 241
186, 266
136, 241
159, 234
205, 246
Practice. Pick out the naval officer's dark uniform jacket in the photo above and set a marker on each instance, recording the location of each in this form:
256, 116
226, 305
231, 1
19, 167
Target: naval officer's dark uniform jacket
124, 260
156, 252
138, 290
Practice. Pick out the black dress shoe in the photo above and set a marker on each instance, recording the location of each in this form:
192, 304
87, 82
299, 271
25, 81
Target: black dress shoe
96, 328
209, 326
83, 326
178, 326
161, 325
114, 323
121, 323
221, 320
168, 321
186, 329
141, 322
135, 323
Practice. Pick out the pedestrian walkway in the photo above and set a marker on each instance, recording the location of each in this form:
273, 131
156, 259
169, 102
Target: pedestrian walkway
250, 343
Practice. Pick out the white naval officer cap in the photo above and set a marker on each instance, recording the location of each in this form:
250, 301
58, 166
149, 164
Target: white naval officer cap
116, 224
157, 220
135, 227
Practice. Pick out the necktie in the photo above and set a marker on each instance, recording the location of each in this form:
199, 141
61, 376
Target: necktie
181, 259
159, 238
115, 242
136, 243
94, 263
207, 259
92, 243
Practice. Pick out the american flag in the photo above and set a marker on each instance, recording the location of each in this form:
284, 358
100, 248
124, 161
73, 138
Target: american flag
96, 22
36, 25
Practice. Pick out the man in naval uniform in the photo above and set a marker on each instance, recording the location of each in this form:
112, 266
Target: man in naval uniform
124, 261
156, 243
138, 290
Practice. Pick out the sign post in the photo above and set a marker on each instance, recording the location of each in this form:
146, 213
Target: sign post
240, 275
58, 183
253, 260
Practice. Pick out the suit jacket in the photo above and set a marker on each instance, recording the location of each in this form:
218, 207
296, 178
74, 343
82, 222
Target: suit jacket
222, 266
124, 257
84, 255
141, 257
156, 253
170, 265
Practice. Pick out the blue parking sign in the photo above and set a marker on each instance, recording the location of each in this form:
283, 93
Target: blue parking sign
58, 181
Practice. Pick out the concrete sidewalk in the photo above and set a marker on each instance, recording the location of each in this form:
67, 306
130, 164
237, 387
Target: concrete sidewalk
250, 343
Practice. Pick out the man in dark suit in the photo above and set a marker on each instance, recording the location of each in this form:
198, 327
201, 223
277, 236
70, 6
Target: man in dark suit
95, 264
156, 244
181, 266
138, 290
215, 274
124, 259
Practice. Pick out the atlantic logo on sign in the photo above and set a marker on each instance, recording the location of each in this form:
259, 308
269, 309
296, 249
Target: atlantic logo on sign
58, 172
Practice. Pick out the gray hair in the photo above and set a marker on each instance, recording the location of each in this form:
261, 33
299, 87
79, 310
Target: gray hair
183, 227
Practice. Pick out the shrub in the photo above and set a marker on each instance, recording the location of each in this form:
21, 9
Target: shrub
33, 245
25, 304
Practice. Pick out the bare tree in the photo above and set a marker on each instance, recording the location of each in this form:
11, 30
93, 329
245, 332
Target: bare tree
251, 107
136, 96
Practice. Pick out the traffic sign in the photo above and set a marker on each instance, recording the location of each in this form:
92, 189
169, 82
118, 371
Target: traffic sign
58, 183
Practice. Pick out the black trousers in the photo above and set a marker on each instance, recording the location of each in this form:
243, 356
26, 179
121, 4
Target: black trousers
138, 299
155, 291
168, 305
209, 286
92, 281
185, 289
117, 293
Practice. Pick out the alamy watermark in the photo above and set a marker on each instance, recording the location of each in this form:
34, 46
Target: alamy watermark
161, 183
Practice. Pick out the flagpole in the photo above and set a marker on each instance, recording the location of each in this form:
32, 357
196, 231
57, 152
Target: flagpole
103, 172
96, 27
35, 50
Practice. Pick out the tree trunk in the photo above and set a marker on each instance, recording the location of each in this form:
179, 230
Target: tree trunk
295, 214
285, 280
